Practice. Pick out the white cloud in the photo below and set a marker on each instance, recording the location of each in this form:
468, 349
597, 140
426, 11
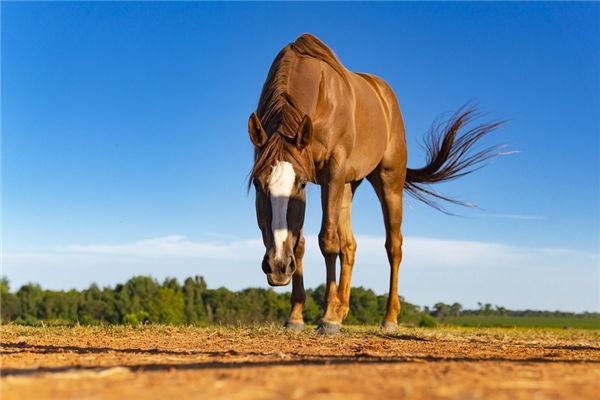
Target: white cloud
442, 252
513, 216
173, 246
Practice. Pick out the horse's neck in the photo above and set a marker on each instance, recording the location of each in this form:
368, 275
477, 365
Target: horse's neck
304, 84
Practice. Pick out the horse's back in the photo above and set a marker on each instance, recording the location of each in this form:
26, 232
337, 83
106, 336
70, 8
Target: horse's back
356, 118
385, 94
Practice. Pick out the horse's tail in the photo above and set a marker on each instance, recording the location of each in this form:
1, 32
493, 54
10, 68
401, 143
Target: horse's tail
450, 156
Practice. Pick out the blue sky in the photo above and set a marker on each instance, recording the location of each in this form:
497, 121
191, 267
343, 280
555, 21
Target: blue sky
125, 147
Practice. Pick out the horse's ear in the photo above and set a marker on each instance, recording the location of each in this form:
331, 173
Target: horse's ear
256, 131
304, 132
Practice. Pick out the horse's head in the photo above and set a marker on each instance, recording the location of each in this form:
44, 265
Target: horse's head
281, 171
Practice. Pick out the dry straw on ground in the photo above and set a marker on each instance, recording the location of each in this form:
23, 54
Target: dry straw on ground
268, 363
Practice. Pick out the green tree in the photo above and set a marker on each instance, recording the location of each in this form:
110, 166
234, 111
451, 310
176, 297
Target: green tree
318, 295
96, 305
364, 307
410, 314
311, 311
135, 296
455, 309
195, 311
30, 297
10, 306
501, 310
167, 306
441, 310
221, 306
59, 306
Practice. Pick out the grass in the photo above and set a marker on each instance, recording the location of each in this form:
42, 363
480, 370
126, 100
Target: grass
524, 322
499, 321
521, 334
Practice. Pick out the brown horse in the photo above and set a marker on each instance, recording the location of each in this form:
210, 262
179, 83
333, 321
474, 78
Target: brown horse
318, 122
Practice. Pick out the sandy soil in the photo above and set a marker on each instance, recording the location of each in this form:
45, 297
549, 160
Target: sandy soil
267, 363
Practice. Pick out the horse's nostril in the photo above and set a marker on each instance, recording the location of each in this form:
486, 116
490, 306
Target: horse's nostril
291, 266
265, 266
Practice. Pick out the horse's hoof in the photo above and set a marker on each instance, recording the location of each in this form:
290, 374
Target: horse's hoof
294, 326
389, 327
328, 328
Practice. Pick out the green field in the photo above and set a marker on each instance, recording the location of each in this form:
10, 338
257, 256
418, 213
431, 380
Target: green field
524, 322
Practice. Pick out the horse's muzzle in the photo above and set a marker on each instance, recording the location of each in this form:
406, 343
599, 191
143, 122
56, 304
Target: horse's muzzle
279, 272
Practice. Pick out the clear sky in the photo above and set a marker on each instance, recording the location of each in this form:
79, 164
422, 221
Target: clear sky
125, 148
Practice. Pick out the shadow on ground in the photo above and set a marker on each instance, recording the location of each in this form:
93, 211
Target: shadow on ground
298, 359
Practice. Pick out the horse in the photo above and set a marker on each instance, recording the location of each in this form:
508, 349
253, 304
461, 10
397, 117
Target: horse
317, 122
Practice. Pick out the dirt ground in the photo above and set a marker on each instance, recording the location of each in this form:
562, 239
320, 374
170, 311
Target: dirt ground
157, 362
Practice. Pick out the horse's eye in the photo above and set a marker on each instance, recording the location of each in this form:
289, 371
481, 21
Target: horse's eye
303, 185
255, 183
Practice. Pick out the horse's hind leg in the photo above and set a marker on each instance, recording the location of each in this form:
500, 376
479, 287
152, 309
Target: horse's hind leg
295, 321
389, 185
347, 250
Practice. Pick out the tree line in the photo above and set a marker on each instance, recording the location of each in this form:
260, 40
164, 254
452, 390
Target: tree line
443, 310
143, 299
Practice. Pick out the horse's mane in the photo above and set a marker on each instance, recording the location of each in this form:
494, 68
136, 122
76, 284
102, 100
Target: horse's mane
310, 46
278, 111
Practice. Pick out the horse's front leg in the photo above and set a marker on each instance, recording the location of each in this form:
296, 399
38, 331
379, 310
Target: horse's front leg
332, 193
295, 321
347, 250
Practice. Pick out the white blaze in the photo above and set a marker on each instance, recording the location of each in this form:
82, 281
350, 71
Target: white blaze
281, 183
